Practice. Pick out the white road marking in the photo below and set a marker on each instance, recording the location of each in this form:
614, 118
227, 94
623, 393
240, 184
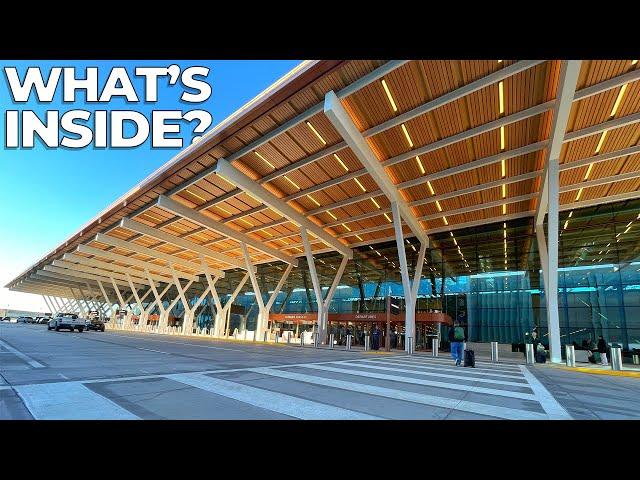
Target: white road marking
69, 401
493, 366
152, 350
22, 356
179, 343
273, 401
432, 400
554, 410
433, 374
436, 367
430, 383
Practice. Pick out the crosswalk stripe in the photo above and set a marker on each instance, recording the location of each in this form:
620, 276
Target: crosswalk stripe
430, 383
24, 357
69, 401
274, 401
554, 410
434, 374
424, 399
425, 366
489, 365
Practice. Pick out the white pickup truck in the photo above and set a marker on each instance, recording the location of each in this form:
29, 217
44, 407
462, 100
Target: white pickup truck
69, 321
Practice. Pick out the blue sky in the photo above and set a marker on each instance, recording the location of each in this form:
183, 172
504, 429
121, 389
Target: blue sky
47, 194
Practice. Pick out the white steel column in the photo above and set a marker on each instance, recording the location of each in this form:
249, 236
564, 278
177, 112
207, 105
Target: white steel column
323, 303
261, 321
549, 201
223, 315
46, 302
108, 300
551, 289
410, 311
138, 300
187, 321
158, 300
275, 293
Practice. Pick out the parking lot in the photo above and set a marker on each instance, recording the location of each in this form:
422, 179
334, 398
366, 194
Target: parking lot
122, 375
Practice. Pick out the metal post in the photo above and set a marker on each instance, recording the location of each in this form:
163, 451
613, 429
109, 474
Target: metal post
316, 338
265, 336
434, 347
331, 341
276, 338
530, 355
366, 343
494, 351
616, 357
570, 353
410, 346
636, 359
289, 339
302, 339
348, 346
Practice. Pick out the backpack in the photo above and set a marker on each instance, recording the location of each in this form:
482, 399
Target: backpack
458, 334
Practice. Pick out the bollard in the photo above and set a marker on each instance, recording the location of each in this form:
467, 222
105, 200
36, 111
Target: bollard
636, 359
348, 345
366, 343
289, 339
530, 356
434, 347
302, 340
494, 351
399, 341
331, 341
235, 335
316, 338
570, 353
410, 346
265, 336
616, 357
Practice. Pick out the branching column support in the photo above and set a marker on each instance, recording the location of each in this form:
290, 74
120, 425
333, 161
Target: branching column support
323, 304
410, 287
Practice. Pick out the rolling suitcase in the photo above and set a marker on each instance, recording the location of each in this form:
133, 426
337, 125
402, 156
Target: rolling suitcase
469, 358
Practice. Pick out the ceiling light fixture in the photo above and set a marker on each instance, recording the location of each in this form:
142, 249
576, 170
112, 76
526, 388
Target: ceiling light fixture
420, 166
618, 100
332, 215
387, 217
373, 200
444, 219
388, 92
438, 206
504, 190
502, 138
604, 134
406, 134
360, 185
586, 175
313, 200
579, 195
433, 193
291, 182
341, 162
264, 160
316, 132
501, 95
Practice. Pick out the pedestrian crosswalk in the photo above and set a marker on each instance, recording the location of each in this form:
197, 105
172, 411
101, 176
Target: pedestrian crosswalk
361, 388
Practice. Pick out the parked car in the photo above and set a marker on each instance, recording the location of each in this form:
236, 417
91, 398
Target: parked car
94, 324
25, 320
68, 321
43, 320
6, 319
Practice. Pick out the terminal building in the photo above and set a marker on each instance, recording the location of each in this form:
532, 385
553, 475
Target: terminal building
502, 194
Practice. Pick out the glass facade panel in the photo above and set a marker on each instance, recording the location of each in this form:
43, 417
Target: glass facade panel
489, 278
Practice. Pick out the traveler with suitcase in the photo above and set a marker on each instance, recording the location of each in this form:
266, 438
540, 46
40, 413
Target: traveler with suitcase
457, 338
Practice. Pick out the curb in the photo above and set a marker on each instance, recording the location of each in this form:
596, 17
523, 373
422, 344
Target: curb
596, 371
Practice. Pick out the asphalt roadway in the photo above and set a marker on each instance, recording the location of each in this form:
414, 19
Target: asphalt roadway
124, 375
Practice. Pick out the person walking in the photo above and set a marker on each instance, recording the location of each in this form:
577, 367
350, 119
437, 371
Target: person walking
602, 349
456, 340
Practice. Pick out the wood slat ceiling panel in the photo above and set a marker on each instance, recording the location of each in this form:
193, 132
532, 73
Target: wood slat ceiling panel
596, 71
